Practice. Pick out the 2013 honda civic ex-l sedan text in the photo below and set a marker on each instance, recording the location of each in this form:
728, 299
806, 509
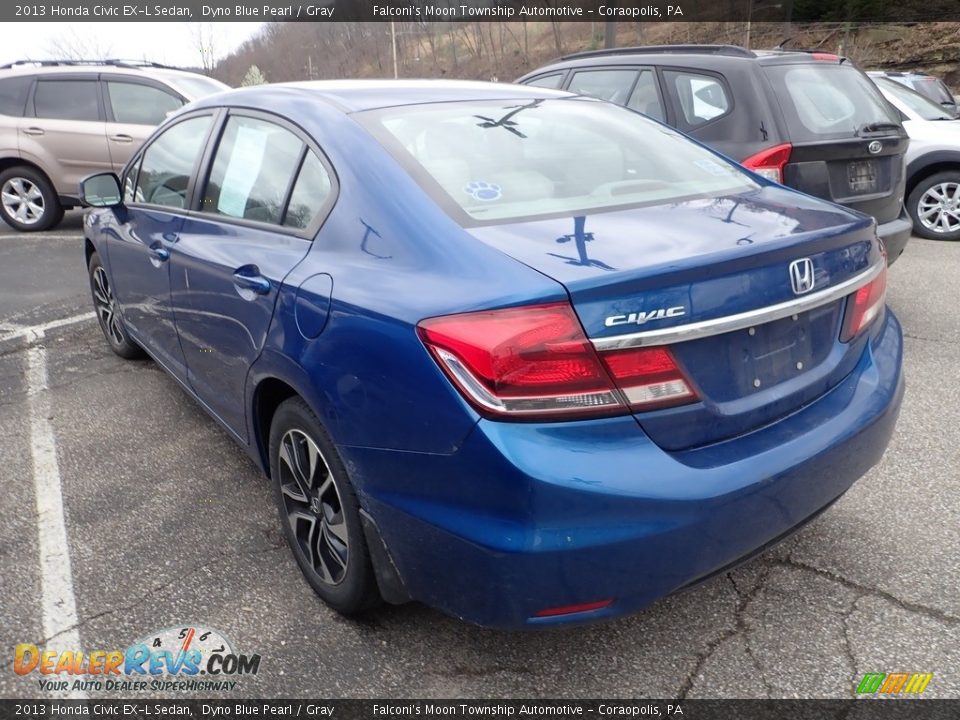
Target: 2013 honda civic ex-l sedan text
526, 357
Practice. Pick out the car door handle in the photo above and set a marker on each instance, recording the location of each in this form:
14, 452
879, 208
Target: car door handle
159, 253
251, 281
33, 131
121, 138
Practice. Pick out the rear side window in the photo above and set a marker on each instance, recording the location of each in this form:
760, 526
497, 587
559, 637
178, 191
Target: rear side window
140, 104
610, 85
168, 163
67, 100
821, 101
310, 193
644, 97
702, 98
551, 82
13, 95
252, 171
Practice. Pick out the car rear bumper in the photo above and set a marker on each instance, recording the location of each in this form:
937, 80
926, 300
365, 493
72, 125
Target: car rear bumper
895, 235
526, 517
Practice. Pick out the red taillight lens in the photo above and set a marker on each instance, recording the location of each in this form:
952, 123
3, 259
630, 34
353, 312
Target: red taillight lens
649, 377
769, 163
535, 361
864, 306
829, 57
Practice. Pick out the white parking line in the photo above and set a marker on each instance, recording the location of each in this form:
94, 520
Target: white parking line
56, 580
36, 332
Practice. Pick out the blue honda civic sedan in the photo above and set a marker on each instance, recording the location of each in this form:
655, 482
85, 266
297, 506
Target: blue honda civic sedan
526, 357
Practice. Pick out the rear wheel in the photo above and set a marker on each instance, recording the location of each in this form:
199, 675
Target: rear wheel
934, 206
108, 315
28, 201
319, 510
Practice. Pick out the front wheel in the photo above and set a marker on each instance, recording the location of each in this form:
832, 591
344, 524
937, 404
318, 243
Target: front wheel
28, 201
934, 206
319, 510
108, 314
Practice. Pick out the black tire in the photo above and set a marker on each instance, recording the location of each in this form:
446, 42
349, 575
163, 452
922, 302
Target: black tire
320, 511
934, 206
28, 201
108, 313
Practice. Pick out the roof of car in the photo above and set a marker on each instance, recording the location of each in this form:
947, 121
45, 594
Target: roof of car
359, 95
687, 55
122, 67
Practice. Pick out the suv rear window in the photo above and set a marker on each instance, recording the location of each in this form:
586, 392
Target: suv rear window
13, 95
822, 101
498, 160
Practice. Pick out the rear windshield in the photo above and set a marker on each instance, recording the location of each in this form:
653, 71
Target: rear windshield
933, 89
518, 159
197, 87
823, 101
924, 107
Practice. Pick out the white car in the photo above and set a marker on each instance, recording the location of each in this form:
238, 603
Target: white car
933, 161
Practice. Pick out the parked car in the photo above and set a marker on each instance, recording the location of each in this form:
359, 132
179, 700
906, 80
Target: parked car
933, 161
526, 357
811, 121
62, 120
931, 87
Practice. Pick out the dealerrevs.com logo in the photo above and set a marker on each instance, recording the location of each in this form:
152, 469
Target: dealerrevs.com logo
894, 683
173, 659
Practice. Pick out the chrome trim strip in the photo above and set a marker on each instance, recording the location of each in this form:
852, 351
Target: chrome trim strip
730, 323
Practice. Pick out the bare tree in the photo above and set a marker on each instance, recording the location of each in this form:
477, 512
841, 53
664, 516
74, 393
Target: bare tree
72, 45
204, 40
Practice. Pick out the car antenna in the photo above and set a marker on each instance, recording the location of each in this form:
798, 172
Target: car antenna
785, 41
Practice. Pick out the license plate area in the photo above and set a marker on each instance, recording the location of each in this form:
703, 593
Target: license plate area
863, 176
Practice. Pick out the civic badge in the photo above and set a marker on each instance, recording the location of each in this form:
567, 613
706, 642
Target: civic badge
802, 278
875, 147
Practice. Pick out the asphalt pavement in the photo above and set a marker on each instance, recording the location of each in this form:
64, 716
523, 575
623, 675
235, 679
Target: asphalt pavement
168, 525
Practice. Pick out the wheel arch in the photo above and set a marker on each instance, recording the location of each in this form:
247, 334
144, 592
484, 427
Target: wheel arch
268, 395
931, 164
12, 162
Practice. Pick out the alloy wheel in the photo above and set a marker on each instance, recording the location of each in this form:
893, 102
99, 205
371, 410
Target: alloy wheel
939, 208
22, 200
313, 506
106, 306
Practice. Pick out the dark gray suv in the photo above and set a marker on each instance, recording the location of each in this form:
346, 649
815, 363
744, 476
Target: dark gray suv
809, 120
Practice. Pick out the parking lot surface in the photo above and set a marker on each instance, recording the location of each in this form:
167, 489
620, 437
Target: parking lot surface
168, 524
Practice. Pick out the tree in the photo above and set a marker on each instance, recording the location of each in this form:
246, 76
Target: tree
253, 77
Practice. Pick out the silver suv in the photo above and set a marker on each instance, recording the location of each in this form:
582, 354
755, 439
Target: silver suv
63, 120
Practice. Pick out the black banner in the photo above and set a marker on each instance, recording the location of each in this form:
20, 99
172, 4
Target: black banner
873, 709
483, 10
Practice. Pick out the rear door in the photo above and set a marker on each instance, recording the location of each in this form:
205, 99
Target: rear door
134, 108
64, 131
265, 194
847, 142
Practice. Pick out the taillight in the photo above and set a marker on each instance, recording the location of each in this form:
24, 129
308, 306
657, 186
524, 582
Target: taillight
769, 163
536, 361
864, 306
829, 57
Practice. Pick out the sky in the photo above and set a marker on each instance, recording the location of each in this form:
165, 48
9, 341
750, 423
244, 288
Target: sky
169, 43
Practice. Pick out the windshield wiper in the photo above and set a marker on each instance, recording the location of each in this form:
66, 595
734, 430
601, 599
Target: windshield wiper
877, 127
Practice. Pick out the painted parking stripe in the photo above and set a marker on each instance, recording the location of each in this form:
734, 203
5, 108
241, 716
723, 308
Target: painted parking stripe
56, 579
36, 332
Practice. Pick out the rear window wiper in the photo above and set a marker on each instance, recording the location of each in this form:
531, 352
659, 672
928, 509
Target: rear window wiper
877, 127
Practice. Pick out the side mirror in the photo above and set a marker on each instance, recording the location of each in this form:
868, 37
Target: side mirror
101, 190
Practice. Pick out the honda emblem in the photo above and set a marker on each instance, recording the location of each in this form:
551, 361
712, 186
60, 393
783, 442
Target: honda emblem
802, 277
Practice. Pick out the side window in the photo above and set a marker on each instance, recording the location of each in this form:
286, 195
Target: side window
168, 163
13, 95
310, 193
701, 97
67, 100
252, 170
611, 85
140, 104
645, 98
551, 82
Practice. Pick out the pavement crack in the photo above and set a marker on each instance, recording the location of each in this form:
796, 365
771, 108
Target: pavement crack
739, 627
909, 606
949, 341
742, 628
847, 642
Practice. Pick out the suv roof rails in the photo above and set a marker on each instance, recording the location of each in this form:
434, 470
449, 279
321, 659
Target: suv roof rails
731, 50
113, 62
